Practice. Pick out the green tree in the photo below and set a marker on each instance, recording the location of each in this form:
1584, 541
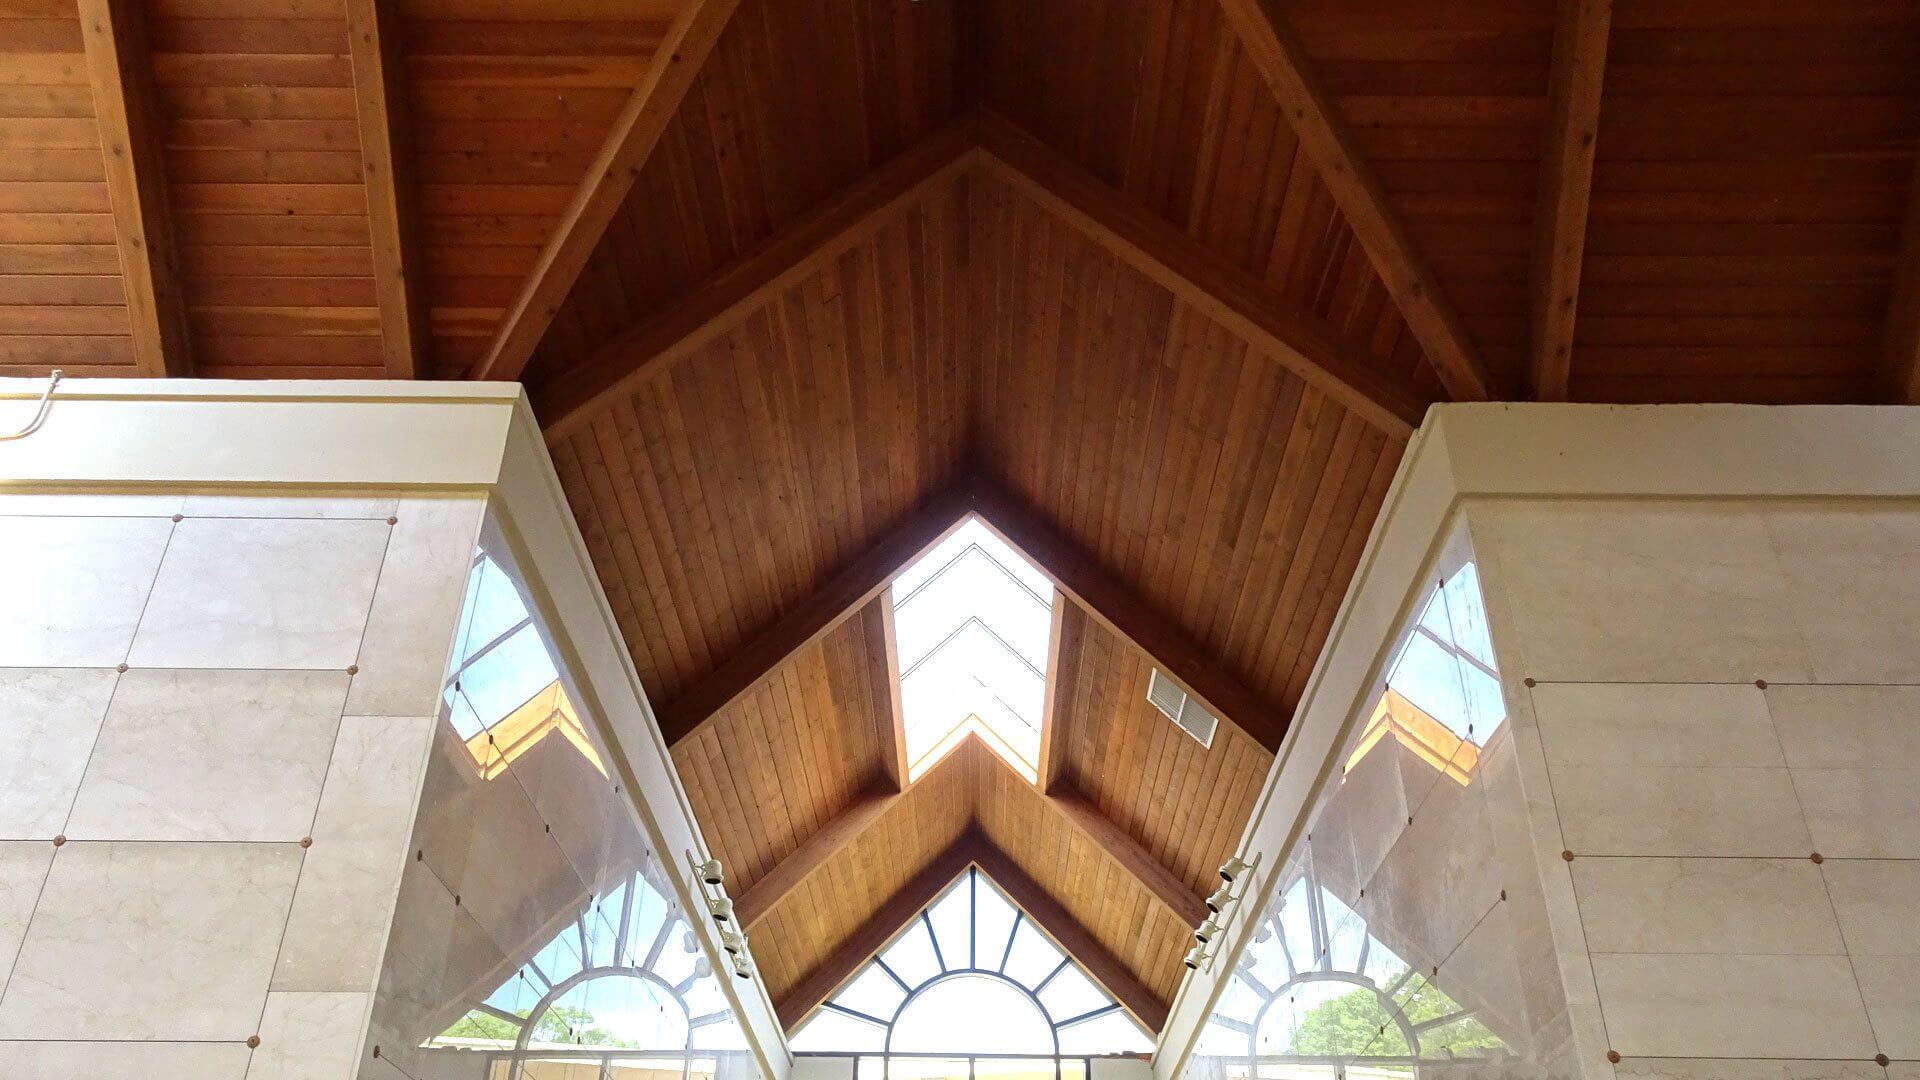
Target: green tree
1356, 1024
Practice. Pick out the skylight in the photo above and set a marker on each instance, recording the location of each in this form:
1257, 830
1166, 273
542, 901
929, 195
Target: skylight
972, 619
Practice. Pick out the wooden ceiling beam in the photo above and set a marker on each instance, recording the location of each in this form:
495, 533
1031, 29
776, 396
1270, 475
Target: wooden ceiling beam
879, 928
1063, 672
386, 157
651, 349
1161, 883
1900, 368
884, 661
1120, 611
611, 176
1566, 187
1071, 935
753, 905
119, 68
811, 619
1270, 48
1306, 344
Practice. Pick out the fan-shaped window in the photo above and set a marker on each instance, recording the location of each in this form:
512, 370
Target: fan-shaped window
971, 975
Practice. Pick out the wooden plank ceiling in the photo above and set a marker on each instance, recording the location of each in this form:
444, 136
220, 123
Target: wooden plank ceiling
1157, 290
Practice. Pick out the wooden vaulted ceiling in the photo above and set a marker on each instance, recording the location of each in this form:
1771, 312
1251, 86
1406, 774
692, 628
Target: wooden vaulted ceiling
1157, 290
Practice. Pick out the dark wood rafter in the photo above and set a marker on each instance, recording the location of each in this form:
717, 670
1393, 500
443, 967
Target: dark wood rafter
386, 154
753, 905
1119, 610
1566, 187
651, 349
628, 146
1106, 969
1350, 178
1901, 363
885, 661
1305, 343
120, 71
834, 603
1187, 906
1063, 651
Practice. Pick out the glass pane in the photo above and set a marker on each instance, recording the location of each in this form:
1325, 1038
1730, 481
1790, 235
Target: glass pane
1113, 1033
992, 924
911, 957
1070, 994
872, 992
829, 1031
1033, 957
952, 919
615, 1010
907, 1068
972, 1014
1014, 1069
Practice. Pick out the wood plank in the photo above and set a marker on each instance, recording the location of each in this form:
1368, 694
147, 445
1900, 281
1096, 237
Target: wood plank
1119, 610
648, 351
1078, 942
119, 67
1186, 905
1566, 187
1349, 178
605, 187
1901, 370
877, 930
807, 622
753, 905
392, 197
1306, 344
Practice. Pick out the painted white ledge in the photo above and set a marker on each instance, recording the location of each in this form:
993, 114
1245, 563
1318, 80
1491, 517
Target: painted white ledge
1535, 451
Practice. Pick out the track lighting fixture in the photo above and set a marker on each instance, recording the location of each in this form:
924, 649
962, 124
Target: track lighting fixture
742, 969
709, 872
1232, 868
1205, 931
1220, 911
1197, 956
709, 876
733, 941
1221, 897
720, 908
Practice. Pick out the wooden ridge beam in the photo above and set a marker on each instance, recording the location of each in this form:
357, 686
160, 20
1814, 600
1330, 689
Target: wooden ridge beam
649, 350
386, 157
1566, 187
1072, 936
1306, 344
120, 71
753, 905
871, 936
810, 620
1270, 48
1119, 610
609, 179
1900, 370
1186, 905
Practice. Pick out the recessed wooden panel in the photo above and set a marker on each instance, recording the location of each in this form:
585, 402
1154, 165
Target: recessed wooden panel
777, 766
810, 923
1185, 803
719, 495
1226, 493
1751, 180
62, 303
797, 102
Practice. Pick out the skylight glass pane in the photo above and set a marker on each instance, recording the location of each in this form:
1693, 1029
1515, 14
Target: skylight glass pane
1033, 957
973, 620
509, 674
952, 919
831, 1032
872, 992
1114, 1033
1070, 994
1446, 668
992, 925
912, 957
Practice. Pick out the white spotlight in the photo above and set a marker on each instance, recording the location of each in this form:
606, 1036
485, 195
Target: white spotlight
720, 908
1195, 957
1218, 902
733, 942
709, 872
741, 969
1205, 931
1232, 868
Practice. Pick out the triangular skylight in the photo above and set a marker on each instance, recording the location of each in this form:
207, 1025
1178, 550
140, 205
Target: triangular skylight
970, 974
972, 620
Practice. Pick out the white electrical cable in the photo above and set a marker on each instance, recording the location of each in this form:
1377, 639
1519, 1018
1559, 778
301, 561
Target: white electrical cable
40, 414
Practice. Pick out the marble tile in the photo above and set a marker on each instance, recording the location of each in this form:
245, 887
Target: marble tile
416, 608
1877, 903
1861, 727
89, 504
1891, 987
1712, 1005
1903, 1070
337, 930
245, 593
75, 587
1852, 578
210, 755
289, 506
1654, 724
199, 922
310, 1036
1744, 1069
23, 868
123, 1060
1862, 813
1642, 905
1643, 592
49, 718
1644, 810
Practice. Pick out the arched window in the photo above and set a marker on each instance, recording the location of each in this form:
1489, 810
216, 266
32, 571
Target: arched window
625, 974
1316, 986
971, 974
